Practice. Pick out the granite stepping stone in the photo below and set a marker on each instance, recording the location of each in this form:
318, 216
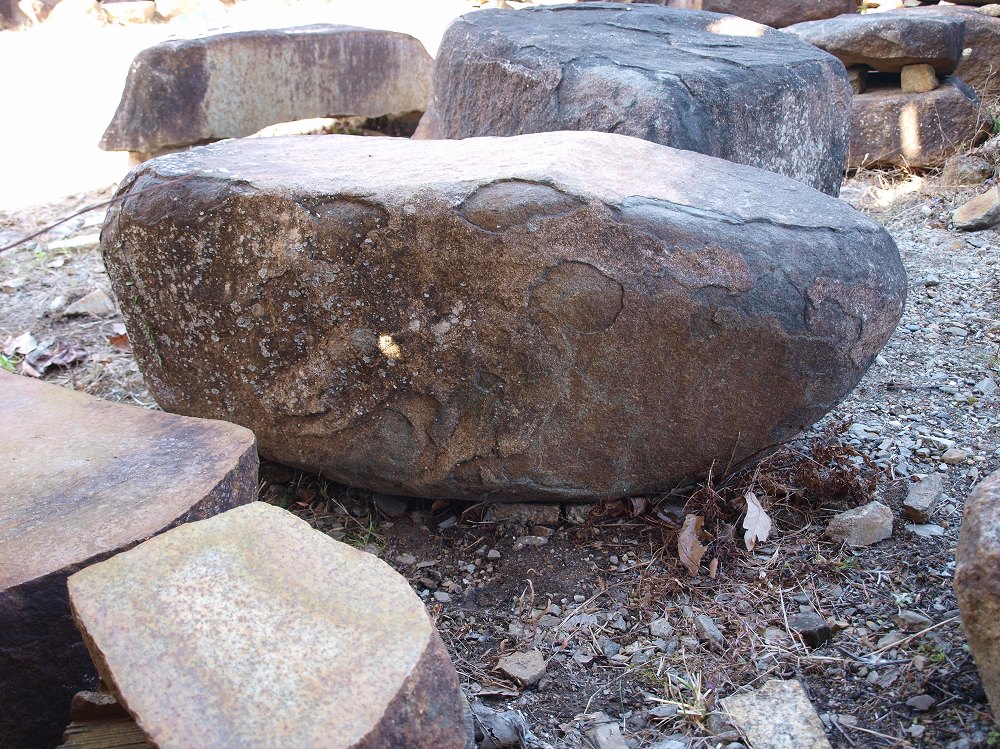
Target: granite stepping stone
251, 629
719, 85
233, 84
84, 479
557, 316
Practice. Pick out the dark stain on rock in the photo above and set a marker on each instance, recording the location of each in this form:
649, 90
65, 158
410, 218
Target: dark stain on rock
580, 296
342, 225
503, 205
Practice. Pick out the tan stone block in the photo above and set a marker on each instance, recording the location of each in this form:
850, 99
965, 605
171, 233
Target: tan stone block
982, 212
918, 79
252, 629
84, 479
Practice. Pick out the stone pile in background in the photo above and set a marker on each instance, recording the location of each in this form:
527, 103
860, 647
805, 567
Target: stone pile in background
717, 85
908, 110
83, 480
252, 629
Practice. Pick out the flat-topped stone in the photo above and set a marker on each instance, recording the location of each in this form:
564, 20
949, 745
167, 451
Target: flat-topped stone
251, 629
561, 316
769, 12
977, 582
894, 128
718, 85
887, 41
84, 479
233, 84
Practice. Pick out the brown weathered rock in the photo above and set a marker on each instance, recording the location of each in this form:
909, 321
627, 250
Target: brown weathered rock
186, 629
977, 582
980, 65
84, 479
963, 169
892, 128
861, 526
918, 79
887, 41
982, 212
714, 84
233, 84
770, 12
555, 316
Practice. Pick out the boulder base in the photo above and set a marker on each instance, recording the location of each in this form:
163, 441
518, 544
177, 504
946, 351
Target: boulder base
84, 479
561, 316
233, 84
251, 629
893, 128
977, 582
718, 85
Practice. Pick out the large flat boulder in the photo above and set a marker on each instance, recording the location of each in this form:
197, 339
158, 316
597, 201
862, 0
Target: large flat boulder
561, 316
980, 65
233, 84
887, 42
82, 480
977, 582
251, 629
893, 128
714, 84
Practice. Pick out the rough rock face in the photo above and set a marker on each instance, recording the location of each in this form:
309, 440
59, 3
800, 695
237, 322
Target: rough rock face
977, 582
187, 630
891, 127
714, 84
887, 41
234, 84
555, 316
980, 67
83, 480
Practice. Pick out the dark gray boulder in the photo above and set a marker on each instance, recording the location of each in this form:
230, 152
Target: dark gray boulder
769, 12
718, 85
887, 41
557, 316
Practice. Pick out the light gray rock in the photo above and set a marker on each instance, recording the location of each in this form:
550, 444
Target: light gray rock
526, 668
185, 629
95, 304
708, 631
232, 84
862, 526
418, 326
923, 496
696, 81
778, 715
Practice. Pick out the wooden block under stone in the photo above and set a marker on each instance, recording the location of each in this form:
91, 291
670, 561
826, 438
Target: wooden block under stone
83, 479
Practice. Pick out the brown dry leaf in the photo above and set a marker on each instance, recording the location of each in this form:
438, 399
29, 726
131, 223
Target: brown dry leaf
757, 522
689, 548
120, 342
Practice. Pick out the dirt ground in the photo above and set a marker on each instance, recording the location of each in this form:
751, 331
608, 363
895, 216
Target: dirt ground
582, 585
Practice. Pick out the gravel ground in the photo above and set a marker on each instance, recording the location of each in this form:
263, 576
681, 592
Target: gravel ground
625, 633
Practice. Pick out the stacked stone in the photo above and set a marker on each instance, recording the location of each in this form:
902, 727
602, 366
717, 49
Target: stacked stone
909, 109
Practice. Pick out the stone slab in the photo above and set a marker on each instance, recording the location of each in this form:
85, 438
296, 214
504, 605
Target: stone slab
704, 82
778, 715
558, 316
251, 629
84, 479
887, 41
769, 12
233, 84
977, 582
892, 128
